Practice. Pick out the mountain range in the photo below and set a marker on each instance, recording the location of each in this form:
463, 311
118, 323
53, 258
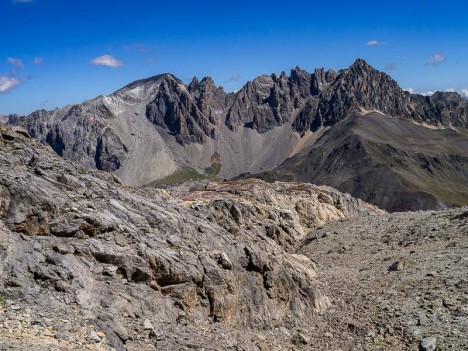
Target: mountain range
354, 129
152, 233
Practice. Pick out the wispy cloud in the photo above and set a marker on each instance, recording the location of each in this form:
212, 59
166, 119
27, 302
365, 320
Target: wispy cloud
391, 66
140, 47
8, 83
375, 42
462, 92
20, 1
38, 60
435, 59
107, 60
236, 77
413, 91
15, 62
151, 60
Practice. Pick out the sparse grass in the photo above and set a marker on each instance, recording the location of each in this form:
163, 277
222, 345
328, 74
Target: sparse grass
186, 174
446, 183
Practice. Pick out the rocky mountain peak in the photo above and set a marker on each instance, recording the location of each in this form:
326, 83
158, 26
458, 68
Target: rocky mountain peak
361, 71
154, 80
207, 83
361, 65
193, 85
298, 69
359, 87
321, 78
191, 112
269, 101
448, 96
142, 90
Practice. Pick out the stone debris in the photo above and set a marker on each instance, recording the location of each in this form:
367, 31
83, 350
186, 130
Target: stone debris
428, 344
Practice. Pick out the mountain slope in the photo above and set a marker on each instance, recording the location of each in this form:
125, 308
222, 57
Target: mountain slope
396, 164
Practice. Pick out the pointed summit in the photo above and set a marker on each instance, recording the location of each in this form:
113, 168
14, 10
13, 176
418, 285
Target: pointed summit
361, 62
360, 66
298, 74
154, 80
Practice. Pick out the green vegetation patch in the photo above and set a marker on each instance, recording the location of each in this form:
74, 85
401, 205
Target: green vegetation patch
185, 174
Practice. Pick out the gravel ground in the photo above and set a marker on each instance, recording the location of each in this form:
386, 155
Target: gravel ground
396, 279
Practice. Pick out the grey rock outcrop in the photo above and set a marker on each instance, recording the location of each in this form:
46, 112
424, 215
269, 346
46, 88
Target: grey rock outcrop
270, 101
191, 112
79, 244
428, 344
80, 133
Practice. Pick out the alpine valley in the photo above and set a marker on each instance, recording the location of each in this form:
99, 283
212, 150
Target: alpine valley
355, 130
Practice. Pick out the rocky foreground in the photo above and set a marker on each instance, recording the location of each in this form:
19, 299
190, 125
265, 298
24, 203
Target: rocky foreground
87, 263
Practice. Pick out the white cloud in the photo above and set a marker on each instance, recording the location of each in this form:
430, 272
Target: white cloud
150, 60
15, 1
435, 59
38, 60
15, 62
427, 93
8, 83
107, 60
236, 77
462, 92
375, 42
140, 47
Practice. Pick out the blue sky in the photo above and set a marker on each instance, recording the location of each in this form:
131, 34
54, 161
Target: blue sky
57, 52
